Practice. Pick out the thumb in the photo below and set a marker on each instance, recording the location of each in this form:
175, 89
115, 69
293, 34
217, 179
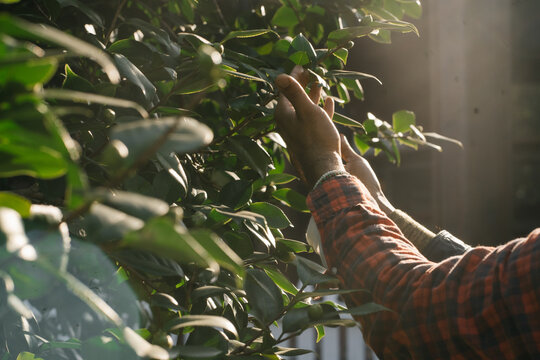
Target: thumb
294, 92
347, 152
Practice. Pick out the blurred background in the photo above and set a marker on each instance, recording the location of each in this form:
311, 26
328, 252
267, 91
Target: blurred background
474, 75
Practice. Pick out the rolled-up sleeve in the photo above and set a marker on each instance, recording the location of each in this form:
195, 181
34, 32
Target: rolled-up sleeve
483, 304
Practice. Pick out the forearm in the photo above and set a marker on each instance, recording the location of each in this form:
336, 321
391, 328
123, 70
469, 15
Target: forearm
439, 309
435, 247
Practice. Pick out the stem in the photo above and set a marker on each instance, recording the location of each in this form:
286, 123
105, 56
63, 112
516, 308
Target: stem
262, 331
300, 21
241, 125
329, 53
114, 20
220, 14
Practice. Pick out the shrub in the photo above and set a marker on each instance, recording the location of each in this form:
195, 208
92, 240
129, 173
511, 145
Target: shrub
143, 179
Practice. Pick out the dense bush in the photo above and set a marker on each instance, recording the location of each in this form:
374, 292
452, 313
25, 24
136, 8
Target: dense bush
142, 178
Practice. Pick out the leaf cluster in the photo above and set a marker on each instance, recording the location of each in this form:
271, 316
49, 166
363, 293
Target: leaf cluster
143, 181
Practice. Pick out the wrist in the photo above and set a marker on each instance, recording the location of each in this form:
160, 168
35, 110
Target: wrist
315, 167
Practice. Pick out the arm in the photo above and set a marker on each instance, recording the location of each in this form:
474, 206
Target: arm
484, 303
433, 247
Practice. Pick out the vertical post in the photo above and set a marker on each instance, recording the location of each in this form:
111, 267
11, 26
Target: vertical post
448, 112
470, 78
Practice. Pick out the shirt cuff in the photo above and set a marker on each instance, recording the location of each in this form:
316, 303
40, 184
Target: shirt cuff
337, 193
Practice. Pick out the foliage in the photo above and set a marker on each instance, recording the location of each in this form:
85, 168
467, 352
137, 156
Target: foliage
143, 179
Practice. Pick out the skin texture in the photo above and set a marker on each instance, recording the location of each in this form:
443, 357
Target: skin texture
307, 128
314, 143
358, 166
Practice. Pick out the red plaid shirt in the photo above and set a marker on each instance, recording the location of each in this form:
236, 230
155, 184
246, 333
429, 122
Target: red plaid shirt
484, 304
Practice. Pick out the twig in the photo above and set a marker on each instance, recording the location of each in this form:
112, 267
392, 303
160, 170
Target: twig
262, 331
241, 125
296, 14
115, 181
114, 20
220, 14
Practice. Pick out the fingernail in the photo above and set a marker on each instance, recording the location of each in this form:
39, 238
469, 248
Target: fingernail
282, 81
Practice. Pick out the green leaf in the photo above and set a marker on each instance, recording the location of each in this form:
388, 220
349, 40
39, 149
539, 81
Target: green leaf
395, 149
235, 194
295, 319
340, 74
241, 34
281, 280
22, 29
219, 250
105, 224
142, 347
27, 356
252, 153
201, 320
291, 198
299, 58
159, 35
355, 86
140, 206
195, 352
320, 332
239, 242
41, 162
445, 138
174, 168
92, 98
293, 245
360, 144
131, 49
85, 10
282, 351
149, 263
15, 202
301, 44
165, 239
402, 121
264, 296
347, 121
327, 292
175, 134
342, 54
275, 217
412, 9
365, 309
381, 36
341, 36
243, 76
343, 93
29, 73
204, 292
311, 273
285, 17
137, 78
279, 178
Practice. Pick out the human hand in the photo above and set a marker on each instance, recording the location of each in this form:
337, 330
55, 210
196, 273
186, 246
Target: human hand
358, 166
311, 137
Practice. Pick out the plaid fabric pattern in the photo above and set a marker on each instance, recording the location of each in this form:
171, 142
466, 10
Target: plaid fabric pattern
484, 304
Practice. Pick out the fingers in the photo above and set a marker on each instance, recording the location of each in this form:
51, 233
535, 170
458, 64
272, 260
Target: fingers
301, 75
329, 107
347, 152
315, 93
294, 92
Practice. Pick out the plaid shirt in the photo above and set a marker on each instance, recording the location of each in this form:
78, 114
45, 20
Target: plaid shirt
484, 304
